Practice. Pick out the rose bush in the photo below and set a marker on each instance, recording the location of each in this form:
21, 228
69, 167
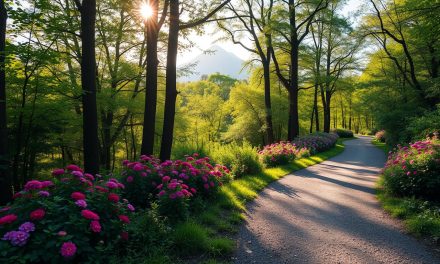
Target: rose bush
414, 170
75, 216
171, 184
281, 153
316, 142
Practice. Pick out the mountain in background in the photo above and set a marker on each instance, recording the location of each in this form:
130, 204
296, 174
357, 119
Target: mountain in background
213, 60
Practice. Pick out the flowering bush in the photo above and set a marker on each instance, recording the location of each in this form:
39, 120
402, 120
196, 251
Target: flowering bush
75, 217
414, 170
316, 142
281, 153
380, 136
171, 183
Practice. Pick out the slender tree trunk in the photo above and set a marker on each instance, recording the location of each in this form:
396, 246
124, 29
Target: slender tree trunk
267, 102
5, 180
171, 86
293, 128
315, 103
311, 119
149, 127
88, 82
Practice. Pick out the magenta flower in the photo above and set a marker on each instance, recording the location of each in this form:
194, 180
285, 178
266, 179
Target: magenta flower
33, 185
129, 179
68, 249
95, 226
112, 185
58, 172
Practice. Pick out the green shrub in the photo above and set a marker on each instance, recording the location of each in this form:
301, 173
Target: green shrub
423, 126
414, 171
343, 133
240, 159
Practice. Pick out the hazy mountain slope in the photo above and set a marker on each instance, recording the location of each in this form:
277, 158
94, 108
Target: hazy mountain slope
220, 61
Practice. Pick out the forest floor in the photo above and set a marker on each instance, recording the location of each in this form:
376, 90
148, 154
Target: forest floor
328, 213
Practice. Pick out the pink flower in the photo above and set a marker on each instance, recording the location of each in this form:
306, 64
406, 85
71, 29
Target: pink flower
77, 174
124, 219
62, 233
73, 167
408, 173
45, 184
33, 185
37, 214
113, 197
57, 172
138, 167
95, 226
8, 219
89, 215
112, 185
206, 186
130, 207
161, 193
81, 203
166, 178
129, 179
89, 176
77, 196
68, 249
414, 172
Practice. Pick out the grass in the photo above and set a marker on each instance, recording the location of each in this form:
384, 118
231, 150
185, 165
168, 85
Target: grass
383, 146
211, 231
421, 218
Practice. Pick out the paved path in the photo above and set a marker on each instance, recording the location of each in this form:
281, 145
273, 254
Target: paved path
328, 213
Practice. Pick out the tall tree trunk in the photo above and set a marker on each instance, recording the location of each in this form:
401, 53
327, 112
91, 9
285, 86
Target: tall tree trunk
88, 82
293, 128
149, 127
267, 102
315, 103
5, 180
171, 86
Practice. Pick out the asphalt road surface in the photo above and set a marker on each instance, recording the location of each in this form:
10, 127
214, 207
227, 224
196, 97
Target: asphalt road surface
328, 213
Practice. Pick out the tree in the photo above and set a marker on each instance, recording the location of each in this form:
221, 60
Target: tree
293, 33
333, 44
88, 82
152, 26
175, 26
5, 181
256, 23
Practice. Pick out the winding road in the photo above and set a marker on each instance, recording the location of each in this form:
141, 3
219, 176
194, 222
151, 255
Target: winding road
328, 213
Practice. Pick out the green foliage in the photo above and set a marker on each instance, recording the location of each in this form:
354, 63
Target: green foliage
425, 125
241, 159
421, 218
343, 133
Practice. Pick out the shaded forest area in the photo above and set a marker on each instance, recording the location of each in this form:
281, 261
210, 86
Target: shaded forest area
94, 83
